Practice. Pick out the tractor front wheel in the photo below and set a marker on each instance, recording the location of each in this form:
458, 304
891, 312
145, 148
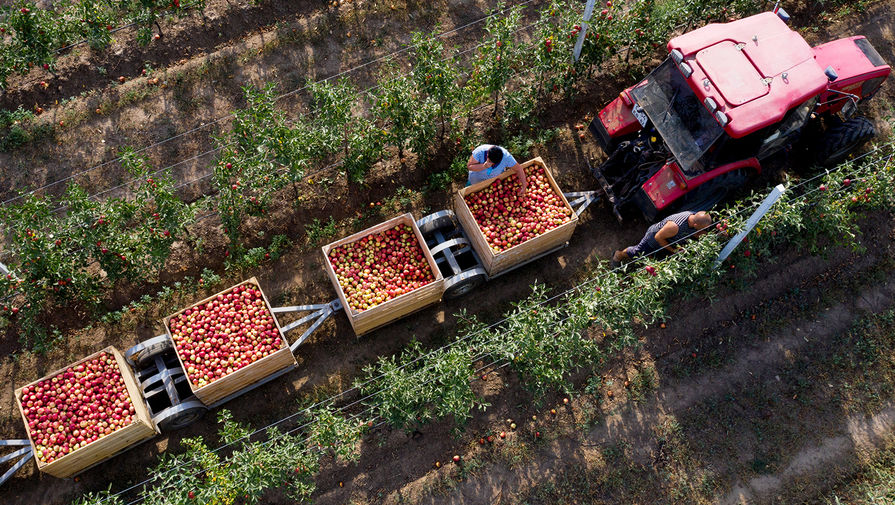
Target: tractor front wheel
841, 140
710, 193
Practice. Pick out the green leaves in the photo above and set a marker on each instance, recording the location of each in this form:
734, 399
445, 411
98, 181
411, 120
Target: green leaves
497, 56
337, 128
419, 387
435, 75
56, 241
332, 433
32, 36
258, 157
406, 117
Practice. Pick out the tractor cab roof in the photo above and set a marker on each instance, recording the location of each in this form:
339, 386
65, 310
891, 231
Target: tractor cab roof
754, 70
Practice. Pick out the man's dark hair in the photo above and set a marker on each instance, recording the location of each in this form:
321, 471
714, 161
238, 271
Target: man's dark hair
495, 155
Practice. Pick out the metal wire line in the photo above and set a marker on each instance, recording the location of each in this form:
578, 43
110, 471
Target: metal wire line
229, 144
355, 95
333, 398
291, 431
292, 92
304, 177
815, 177
281, 171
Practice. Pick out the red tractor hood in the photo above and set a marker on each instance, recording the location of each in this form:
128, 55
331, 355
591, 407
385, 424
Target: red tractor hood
755, 69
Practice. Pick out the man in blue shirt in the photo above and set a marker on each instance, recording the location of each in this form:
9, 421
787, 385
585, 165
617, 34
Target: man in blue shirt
489, 161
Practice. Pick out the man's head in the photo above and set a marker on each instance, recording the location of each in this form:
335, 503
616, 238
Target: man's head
701, 220
495, 155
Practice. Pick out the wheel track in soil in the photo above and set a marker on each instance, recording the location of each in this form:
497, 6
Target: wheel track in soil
632, 422
321, 378
201, 99
860, 433
333, 358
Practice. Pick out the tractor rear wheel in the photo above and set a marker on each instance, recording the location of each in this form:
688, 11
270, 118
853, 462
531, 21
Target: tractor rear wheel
710, 193
839, 141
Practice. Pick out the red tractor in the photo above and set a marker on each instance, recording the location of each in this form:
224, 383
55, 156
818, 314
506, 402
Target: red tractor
727, 98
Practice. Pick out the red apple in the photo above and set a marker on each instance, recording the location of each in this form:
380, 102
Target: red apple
76, 407
380, 267
225, 334
507, 220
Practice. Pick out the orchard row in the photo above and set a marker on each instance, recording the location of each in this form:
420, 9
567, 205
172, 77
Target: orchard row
32, 36
426, 110
543, 343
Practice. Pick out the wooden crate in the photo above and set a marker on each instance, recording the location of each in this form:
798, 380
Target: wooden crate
247, 375
386, 312
496, 262
108, 446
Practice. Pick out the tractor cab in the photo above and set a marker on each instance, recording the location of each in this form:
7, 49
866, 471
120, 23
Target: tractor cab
727, 97
667, 103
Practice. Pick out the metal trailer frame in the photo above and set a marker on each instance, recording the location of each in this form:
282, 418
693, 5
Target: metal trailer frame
163, 382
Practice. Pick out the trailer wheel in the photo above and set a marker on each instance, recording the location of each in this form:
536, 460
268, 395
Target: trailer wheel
179, 416
464, 282
839, 141
143, 353
440, 220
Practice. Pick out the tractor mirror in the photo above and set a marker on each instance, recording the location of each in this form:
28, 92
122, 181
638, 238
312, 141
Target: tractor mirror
677, 56
830, 73
782, 14
850, 107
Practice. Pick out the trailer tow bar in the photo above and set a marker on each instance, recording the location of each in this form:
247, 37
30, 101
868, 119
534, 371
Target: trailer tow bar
24, 454
580, 200
320, 312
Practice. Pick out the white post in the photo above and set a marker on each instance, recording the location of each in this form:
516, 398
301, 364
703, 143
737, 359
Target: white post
753, 220
588, 11
579, 44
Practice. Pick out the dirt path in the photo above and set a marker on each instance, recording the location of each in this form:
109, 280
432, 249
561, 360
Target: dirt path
862, 435
634, 425
194, 96
331, 359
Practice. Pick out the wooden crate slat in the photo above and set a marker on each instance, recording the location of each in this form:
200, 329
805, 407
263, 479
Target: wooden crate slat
247, 375
388, 311
140, 429
496, 262
133, 390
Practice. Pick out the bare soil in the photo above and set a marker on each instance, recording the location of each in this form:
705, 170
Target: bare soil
400, 468
195, 93
707, 355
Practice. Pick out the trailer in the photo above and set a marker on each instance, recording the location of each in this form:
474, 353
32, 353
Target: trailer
455, 250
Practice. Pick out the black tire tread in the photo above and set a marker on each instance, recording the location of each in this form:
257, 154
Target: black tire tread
699, 198
853, 132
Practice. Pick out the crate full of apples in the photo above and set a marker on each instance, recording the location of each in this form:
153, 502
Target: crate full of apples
84, 413
383, 273
228, 341
507, 228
